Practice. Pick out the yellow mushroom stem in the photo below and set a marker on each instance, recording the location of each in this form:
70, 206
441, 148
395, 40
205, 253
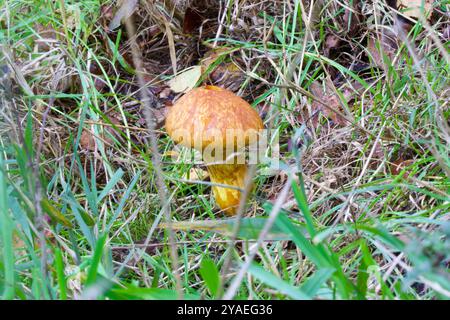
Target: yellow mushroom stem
229, 174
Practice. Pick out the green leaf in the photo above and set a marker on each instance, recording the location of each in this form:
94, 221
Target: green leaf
98, 253
62, 281
124, 199
302, 203
382, 233
117, 56
316, 281
111, 183
273, 281
302, 242
7, 228
136, 293
54, 213
210, 274
363, 274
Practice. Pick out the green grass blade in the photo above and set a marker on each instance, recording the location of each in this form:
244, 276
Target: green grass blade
316, 281
98, 253
62, 281
277, 283
7, 237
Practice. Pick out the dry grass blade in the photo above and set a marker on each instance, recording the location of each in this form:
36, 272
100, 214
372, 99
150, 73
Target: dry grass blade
170, 40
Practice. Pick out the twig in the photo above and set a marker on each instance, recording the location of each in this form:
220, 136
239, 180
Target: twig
156, 159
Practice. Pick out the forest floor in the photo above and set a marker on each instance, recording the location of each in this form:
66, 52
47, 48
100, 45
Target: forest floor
355, 94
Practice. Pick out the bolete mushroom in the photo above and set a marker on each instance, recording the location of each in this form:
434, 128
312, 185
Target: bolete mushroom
220, 125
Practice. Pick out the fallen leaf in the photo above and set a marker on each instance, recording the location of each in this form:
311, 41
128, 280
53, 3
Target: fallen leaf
87, 139
332, 100
125, 11
106, 14
185, 80
401, 160
160, 116
192, 20
171, 153
332, 42
165, 93
397, 167
387, 46
99, 83
352, 18
46, 36
220, 72
211, 57
196, 174
377, 157
413, 8
225, 72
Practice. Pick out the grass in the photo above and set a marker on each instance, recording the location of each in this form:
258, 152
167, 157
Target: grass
358, 209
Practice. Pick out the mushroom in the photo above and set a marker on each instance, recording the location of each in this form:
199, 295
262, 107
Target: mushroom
220, 125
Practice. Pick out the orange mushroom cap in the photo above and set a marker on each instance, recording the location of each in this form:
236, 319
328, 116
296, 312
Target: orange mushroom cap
205, 113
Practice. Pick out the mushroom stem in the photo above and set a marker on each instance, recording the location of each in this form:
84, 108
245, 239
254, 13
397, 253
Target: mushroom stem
230, 174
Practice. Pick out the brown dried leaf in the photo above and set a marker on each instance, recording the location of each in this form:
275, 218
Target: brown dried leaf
165, 93
192, 20
413, 8
211, 56
171, 153
225, 74
403, 158
196, 174
99, 84
126, 10
47, 36
160, 116
106, 15
87, 139
332, 100
397, 166
388, 46
377, 156
332, 42
352, 18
